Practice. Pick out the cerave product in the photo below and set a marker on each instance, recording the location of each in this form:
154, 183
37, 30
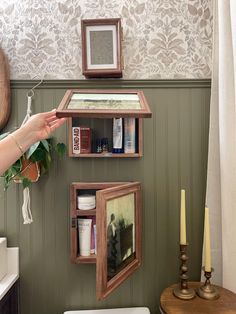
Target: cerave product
86, 201
84, 236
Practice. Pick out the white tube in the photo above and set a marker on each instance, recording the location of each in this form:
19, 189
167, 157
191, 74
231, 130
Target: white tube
84, 236
117, 135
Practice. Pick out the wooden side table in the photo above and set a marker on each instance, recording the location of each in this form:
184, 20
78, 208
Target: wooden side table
169, 304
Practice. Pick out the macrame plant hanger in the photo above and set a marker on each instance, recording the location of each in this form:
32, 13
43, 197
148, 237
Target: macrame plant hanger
26, 211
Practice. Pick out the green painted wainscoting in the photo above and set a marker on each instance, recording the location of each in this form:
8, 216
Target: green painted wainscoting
175, 157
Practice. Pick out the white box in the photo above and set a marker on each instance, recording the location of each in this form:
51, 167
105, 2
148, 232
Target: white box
76, 140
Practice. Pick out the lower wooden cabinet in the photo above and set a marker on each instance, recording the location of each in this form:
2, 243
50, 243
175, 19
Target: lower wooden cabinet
115, 228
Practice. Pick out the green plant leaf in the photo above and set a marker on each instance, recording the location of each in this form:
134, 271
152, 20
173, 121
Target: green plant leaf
26, 182
60, 149
40, 152
38, 155
32, 149
16, 167
45, 144
45, 164
12, 172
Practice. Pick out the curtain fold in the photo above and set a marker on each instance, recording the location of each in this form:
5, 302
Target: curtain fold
221, 176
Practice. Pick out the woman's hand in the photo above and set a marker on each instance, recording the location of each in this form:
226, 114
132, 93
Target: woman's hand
38, 127
41, 125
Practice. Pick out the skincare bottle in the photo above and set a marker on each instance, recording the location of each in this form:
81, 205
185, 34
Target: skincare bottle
117, 136
129, 135
92, 248
98, 146
84, 236
105, 145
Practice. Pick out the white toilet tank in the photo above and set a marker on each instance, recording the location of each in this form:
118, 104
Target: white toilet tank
128, 310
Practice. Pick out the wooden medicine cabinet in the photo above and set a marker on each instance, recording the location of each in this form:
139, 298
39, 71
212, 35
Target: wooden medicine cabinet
116, 237
91, 124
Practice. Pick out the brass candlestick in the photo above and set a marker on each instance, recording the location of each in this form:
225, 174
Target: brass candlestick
207, 290
183, 291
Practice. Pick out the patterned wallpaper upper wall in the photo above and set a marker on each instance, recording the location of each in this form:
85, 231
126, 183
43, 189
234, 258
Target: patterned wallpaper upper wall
163, 39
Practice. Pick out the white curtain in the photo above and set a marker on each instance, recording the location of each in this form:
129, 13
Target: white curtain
221, 177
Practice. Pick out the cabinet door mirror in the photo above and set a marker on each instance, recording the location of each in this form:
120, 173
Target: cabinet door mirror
118, 236
104, 103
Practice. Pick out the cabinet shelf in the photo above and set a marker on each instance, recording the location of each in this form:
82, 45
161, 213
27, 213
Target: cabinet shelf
86, 259
107, 155
82, 212
102, 128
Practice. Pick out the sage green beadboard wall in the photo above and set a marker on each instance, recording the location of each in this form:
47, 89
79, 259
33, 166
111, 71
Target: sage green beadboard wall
175, 157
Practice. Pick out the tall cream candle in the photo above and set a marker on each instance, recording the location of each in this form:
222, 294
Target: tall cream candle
182, 218
207, 241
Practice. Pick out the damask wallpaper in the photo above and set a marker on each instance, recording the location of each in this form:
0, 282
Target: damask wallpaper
163, 39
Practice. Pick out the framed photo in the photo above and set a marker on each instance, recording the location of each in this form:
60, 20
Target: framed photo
118, 236
101, 47
104, 104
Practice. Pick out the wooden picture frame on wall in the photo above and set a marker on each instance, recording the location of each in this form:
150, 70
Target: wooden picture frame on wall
101, 47
118, 236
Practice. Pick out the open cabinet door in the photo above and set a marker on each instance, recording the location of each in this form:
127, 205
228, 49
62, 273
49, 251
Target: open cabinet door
118, 236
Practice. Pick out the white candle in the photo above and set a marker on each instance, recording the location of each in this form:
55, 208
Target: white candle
207, 241
182, 218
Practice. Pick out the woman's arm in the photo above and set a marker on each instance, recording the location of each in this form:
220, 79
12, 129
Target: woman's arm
37, 128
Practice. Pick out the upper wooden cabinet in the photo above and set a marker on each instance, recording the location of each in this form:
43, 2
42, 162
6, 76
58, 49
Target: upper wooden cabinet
91, 123
117, 217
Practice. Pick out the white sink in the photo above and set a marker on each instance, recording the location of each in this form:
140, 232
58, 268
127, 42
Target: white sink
128, 310
9, 267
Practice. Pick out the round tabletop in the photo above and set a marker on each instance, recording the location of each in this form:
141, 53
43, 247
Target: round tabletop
169, 304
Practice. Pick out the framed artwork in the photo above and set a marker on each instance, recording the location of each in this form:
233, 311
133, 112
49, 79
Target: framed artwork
118, 236
101, 47
104, 103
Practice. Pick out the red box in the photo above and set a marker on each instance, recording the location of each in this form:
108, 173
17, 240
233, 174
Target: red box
85, 140
81, 140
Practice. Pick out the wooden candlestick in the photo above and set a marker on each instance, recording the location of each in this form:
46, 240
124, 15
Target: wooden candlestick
183, 291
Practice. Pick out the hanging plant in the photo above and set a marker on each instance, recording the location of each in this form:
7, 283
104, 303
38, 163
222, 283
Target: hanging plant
35, 162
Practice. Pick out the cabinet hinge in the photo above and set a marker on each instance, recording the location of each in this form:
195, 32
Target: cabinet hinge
73, 222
